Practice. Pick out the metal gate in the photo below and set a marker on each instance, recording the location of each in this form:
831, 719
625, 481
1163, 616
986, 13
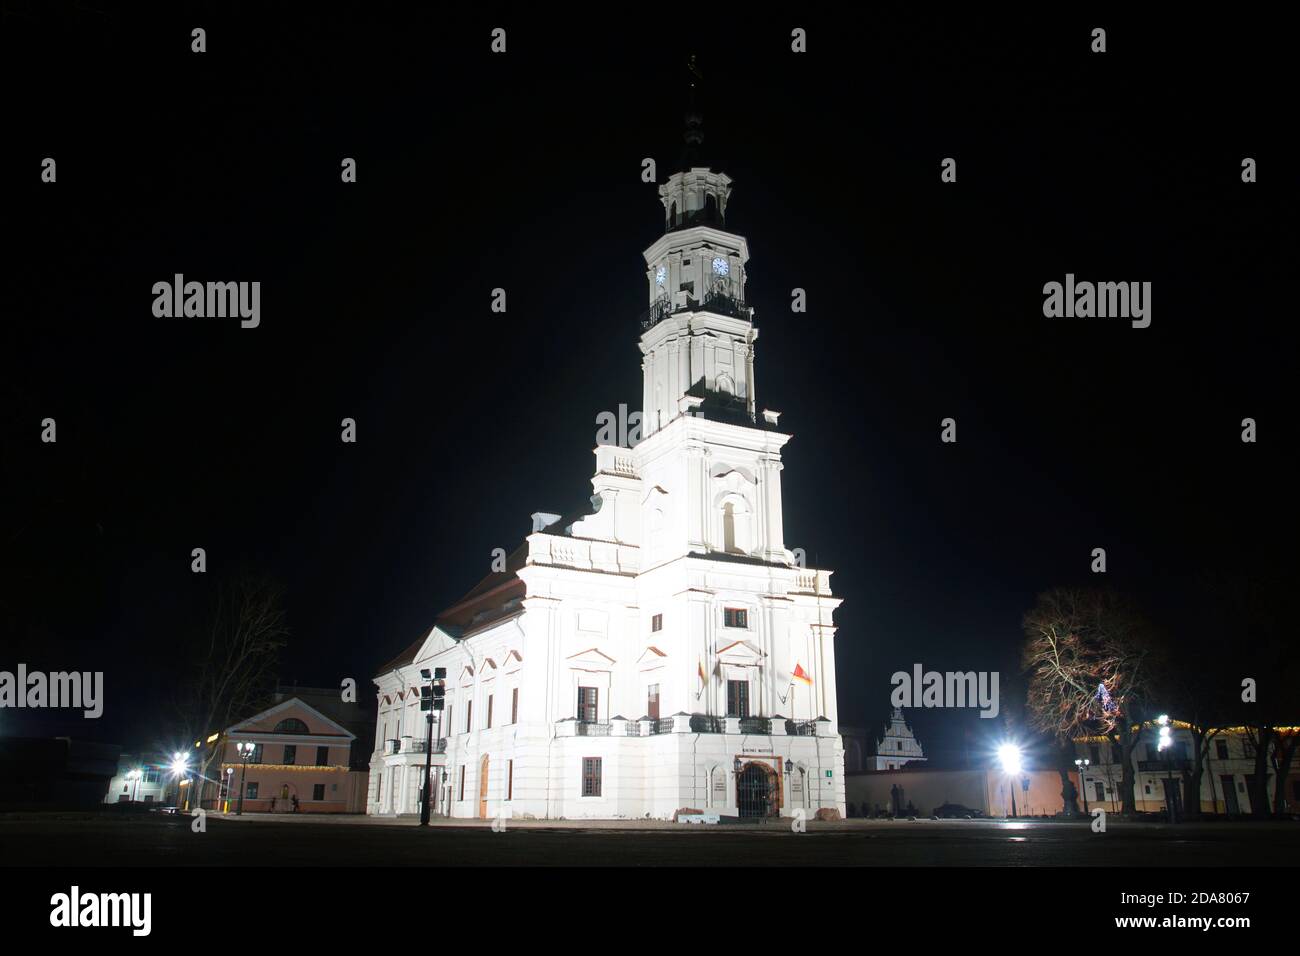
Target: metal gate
754, 791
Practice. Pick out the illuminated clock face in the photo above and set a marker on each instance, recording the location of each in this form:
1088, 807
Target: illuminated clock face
661, 275
720, 266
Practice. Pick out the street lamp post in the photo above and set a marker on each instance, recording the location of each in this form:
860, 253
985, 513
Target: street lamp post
431, 699
245, 748
1163, 744
134, 777
1082, 764
735, 770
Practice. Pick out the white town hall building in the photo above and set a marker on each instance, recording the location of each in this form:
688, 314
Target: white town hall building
663, 650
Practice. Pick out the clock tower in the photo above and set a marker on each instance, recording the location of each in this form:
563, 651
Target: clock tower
660, 648
697, 336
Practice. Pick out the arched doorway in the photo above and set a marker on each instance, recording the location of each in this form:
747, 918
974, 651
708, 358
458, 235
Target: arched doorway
756, 791
483, 788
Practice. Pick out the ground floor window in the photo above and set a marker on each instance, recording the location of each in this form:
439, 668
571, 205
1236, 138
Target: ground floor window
510, 780
251, 791
462, 783
318, 792
591, 776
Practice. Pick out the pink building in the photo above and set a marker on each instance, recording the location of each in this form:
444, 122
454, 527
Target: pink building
301, 763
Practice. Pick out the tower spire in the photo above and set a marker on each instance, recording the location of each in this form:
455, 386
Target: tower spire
693, 135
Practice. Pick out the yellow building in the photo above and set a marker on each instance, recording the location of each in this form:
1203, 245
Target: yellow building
1226, 779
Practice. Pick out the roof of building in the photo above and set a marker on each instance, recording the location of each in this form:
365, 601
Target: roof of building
485, 603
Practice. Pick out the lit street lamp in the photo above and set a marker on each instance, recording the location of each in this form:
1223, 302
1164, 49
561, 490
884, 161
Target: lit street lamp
246, 749
1082, 764
1010, 756
1163, 743
180, 767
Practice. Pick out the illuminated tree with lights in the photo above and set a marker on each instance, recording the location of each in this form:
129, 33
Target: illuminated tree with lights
1088, 657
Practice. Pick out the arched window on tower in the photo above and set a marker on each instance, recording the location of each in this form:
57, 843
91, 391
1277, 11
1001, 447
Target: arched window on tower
672, 214
711, 208
736, 526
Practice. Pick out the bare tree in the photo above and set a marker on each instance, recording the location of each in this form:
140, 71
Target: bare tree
1088, 656
1194, 694
233, 673
1255, 621
1285, 740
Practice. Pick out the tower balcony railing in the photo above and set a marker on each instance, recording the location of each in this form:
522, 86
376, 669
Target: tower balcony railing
724, 304
661, 309
715, 301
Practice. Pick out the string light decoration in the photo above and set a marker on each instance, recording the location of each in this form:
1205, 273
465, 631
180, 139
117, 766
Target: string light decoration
1108, 705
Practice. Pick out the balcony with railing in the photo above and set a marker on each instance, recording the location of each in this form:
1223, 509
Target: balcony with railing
707, 724
1172, 765
717, 302
415, 745
683, 723
419, 745
755, 725
562, 551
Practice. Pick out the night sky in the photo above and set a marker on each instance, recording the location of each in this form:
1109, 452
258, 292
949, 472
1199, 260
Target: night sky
522, 171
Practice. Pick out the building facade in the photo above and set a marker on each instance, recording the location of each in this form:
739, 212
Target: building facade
137, 781
301, 763
897, 746
661, 649
1226, 779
